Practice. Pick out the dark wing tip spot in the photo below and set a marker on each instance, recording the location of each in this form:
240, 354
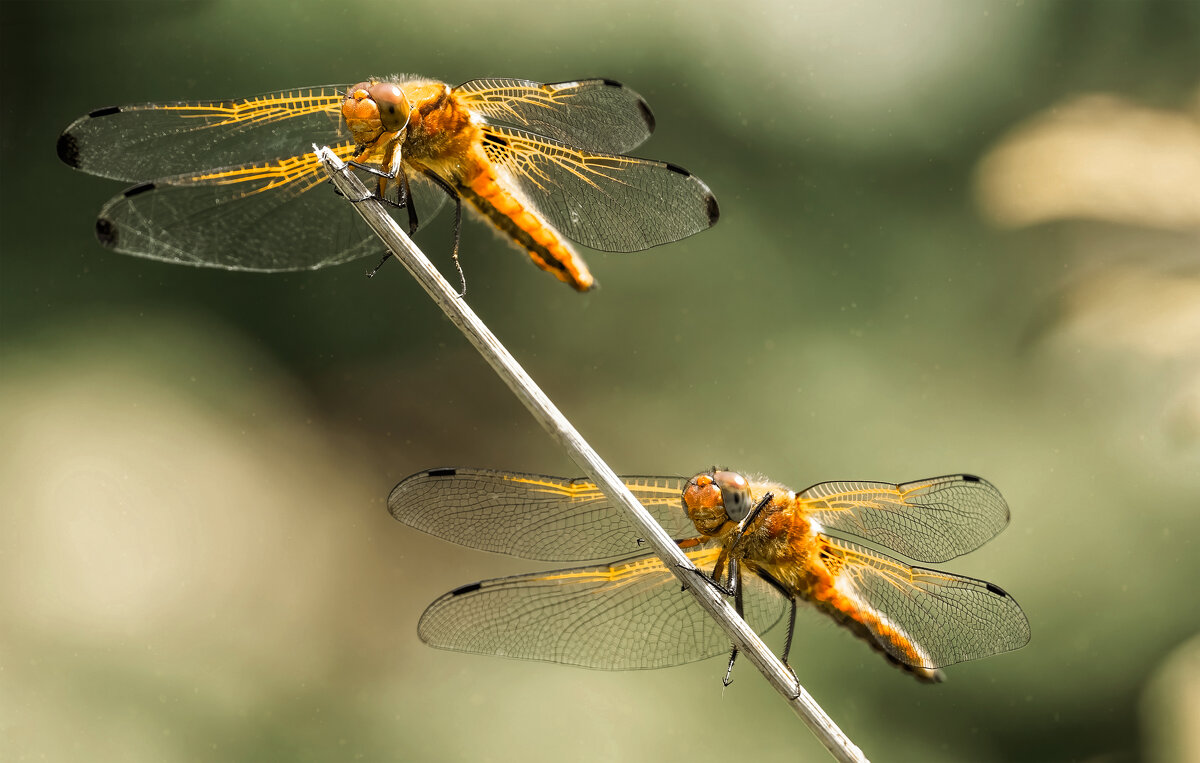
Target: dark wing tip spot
104, 112
106, 231
68, 149
647, 115
443, 472
971, 478
611, 82
997, 590
714, 212
130, 192
677, 168
469, 588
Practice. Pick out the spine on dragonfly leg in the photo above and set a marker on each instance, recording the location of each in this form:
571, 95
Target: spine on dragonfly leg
516, 220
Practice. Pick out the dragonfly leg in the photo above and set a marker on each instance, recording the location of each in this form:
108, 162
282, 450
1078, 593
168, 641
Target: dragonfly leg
714, 579
457, 227
379, 173
381, 199
709, 581
406, 200
750, 517
682, 543
371, 170
734, 589
727, 558
382, 261
791, 628
728, 678
462, 278
740, 609
354, 201
735, 574
391, 159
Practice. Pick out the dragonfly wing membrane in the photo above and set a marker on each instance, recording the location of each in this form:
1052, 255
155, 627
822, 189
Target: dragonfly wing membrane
604, 201
595, 115
266, 217
155, 140
630, 614
930, 520
533, 516
933, 618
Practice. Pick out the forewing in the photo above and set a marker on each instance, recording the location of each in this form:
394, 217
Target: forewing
156, 140
922, 617
595, 115
608, 202
928, 520
627, 615
533, 516
270, 216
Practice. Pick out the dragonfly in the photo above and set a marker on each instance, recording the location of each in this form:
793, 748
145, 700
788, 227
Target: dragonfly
235, 184
758, 541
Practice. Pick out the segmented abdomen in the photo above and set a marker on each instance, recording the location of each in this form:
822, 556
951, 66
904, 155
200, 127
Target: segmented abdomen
872, 627
548, 250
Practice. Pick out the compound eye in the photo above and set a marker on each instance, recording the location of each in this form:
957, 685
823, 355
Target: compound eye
735, 494
392, 103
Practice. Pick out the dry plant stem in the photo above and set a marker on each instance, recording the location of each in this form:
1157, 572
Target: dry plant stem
552, 420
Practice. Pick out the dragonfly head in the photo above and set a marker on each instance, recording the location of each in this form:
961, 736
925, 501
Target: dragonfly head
715, 497
374, 108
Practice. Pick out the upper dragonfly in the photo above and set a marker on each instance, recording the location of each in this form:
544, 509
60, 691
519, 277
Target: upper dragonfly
631, 613
235, 184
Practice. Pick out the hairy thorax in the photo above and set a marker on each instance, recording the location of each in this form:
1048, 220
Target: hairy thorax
781, 543
441, 136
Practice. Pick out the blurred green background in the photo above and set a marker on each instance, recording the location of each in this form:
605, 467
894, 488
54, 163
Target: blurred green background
954, 237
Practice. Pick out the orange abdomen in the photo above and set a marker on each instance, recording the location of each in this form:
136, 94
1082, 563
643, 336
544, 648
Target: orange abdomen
872, 627
443, 140
548, 250
804, 563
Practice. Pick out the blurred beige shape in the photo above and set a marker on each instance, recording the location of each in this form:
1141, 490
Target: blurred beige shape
1096, 157
1135, 291
1148, 321
1170, 707
1129, 308
179, 541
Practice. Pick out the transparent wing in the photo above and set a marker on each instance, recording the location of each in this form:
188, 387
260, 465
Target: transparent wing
269, 216
608, 202
928, 520
595, 115
921, 617
234, 183
533, 516
155, 140
627, 615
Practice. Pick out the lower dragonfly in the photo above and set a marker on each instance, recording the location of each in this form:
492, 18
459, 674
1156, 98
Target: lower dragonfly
762, 543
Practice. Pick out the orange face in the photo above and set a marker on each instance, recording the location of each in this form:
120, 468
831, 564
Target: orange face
716, 498
372, 109
631, 613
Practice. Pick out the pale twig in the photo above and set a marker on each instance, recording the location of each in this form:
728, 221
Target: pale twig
740, 634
